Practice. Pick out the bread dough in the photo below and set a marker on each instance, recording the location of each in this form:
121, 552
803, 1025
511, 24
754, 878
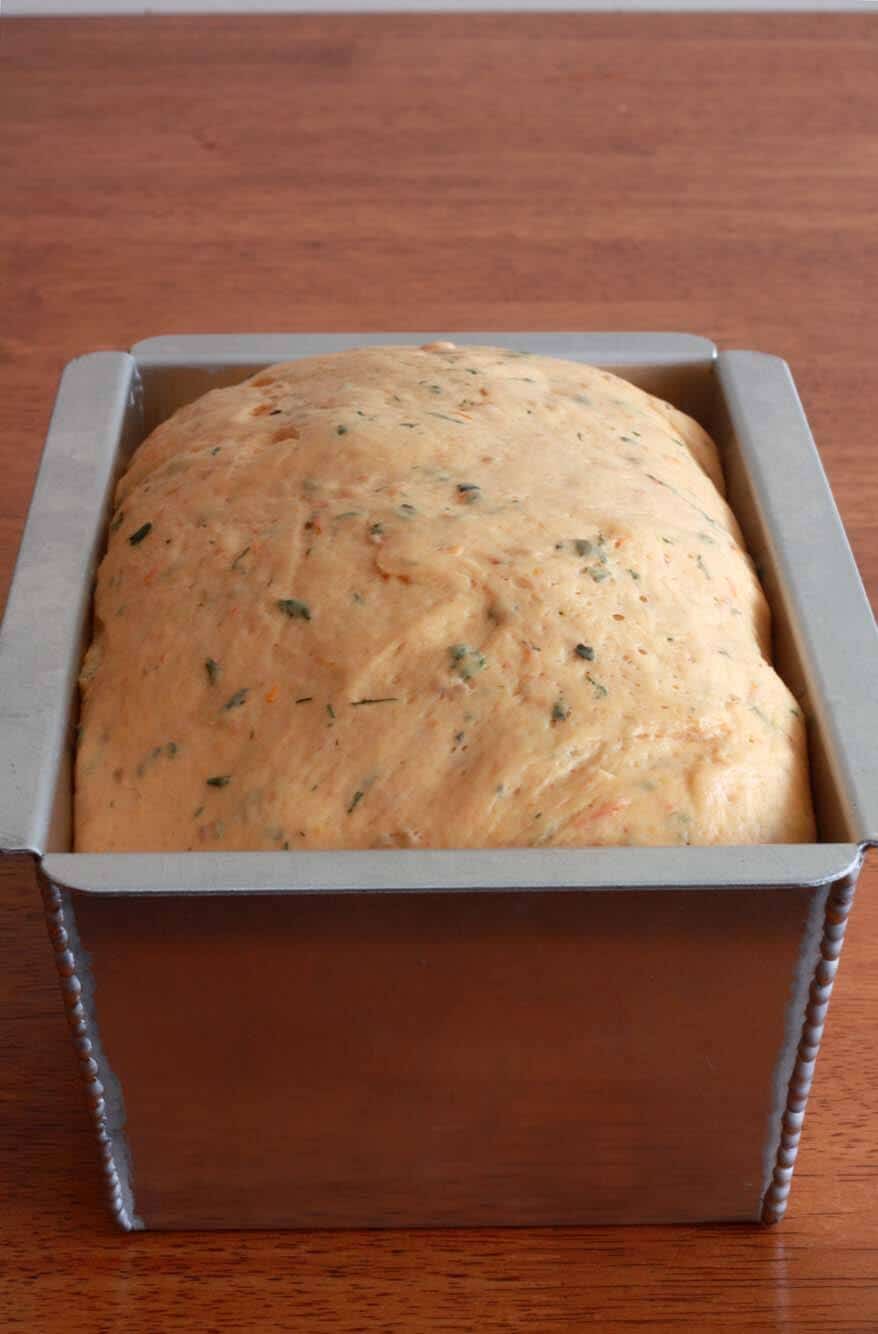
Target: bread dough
431, 597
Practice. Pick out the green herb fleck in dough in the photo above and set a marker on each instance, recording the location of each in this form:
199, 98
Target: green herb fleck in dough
470, 370
330, 710
702, 567
600, 690
144, 531
584, 651
235, 701
171, 749
469, 490
634, 575
409, 425
219, 780
118, 520
376, 529
304, 699
199, 810
341, 430
296, 610
355, 800
240, 556
582, 546
212, 667
444, 417
686, 499
349, 514
216, 449
407, 510
358, 598
560, 711
599, 573
466, 661
384, 699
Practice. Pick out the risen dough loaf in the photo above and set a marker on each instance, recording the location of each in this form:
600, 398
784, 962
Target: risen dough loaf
438, 597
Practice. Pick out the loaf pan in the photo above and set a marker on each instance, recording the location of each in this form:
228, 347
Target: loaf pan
298, 1039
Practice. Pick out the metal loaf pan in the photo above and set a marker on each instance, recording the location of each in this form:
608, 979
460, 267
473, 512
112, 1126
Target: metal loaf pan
471, 1037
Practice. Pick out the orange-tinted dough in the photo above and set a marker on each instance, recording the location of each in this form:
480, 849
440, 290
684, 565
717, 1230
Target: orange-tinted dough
443, 597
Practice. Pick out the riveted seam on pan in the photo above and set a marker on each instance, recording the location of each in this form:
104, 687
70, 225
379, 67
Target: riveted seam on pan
62, 937
838, 907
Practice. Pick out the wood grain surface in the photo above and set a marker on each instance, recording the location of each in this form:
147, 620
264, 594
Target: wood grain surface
717, 174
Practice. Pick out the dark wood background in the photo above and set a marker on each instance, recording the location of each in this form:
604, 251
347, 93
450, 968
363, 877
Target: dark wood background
717, 174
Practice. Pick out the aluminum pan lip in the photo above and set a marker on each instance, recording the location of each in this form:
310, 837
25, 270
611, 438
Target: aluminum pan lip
448, 871
51, 589
829, 611
606, 349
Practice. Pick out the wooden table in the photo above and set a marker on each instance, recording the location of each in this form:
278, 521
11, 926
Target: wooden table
716, 174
